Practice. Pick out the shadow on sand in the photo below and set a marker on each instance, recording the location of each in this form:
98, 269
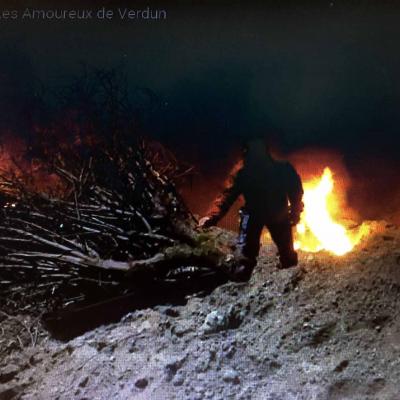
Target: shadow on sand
82, 317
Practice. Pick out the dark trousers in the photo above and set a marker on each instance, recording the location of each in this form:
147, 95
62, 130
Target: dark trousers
249, 239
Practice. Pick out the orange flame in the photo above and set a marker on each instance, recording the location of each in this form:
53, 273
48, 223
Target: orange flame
318, 229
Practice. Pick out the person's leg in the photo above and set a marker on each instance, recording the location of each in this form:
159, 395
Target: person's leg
248, 243
282, 236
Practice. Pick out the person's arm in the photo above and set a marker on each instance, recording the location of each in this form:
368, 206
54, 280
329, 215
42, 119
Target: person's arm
295, 194
223, 202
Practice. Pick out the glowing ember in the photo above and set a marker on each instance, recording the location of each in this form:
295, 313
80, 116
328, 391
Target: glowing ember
317, 229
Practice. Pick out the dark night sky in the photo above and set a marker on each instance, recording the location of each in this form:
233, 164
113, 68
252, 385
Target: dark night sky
322, 73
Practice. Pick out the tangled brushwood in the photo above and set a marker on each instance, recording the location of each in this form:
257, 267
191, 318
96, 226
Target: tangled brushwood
117, 222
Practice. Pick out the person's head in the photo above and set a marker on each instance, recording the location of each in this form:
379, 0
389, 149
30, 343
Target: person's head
256, 149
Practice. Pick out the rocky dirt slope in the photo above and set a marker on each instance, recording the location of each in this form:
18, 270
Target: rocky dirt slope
329, 329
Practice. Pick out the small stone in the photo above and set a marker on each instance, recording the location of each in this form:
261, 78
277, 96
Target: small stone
217, 321
172, 367
230, 352
275, 365
182, 329
132, 347
178, 380
231, 376
100, 345
141, 383
199, 389
84, 382
343, 365
214, 322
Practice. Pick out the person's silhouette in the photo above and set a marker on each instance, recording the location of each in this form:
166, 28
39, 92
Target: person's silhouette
273, 193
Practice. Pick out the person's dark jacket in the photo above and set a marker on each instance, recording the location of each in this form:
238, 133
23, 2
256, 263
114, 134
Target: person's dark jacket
268, 188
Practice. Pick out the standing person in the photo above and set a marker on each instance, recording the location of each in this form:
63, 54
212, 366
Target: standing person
273, 193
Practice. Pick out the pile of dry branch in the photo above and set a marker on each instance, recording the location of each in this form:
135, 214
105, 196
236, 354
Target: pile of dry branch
118, 220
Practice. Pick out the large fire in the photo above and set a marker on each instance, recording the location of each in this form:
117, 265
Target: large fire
318, 229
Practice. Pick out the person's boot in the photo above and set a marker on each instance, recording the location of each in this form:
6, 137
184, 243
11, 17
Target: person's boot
288, 262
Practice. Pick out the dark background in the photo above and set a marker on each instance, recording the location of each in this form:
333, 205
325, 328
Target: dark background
304, 74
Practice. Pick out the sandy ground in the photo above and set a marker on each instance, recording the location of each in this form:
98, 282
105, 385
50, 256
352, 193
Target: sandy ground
328, 329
